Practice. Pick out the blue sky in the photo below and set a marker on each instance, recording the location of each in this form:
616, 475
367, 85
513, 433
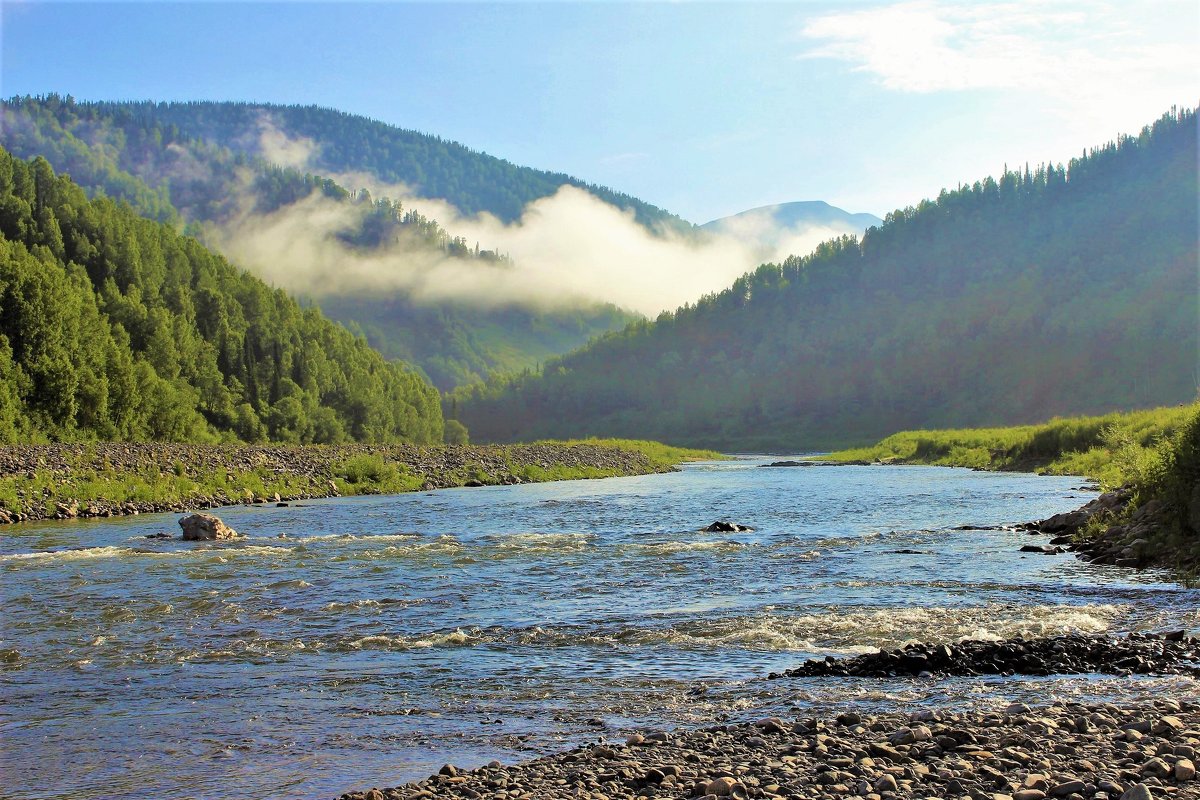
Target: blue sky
705, 109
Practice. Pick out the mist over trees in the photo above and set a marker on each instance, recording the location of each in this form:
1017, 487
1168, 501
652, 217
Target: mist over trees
1053, 290
202, 167
113, 326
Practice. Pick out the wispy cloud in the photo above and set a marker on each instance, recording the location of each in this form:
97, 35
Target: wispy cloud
1076, 51
567, 249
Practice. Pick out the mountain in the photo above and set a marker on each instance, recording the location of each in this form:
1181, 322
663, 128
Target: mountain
778, 231
768, 224
113, 326
208, 168
1062, 290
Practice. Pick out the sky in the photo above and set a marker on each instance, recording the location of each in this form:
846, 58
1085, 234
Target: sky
705, 109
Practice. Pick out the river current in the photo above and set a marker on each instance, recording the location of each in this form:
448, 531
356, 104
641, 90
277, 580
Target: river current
360, 642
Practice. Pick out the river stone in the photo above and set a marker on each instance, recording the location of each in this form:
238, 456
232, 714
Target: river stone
1166, 726
721, 787
885, 783
1185, 770
1067, 788
205, 527
1139, 792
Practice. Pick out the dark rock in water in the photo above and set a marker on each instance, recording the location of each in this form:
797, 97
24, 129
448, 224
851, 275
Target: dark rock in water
282, 505
205, 527
727, 527
912, 552
159, 535
1043, 549
1172, 653
1070, 521
785, 464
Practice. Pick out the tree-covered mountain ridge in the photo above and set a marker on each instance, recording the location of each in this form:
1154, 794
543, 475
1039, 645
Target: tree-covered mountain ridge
429, 165
1057, 290
116, 327
176, 176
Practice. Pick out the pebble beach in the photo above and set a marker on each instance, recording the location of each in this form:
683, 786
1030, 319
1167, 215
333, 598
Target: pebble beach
1075, 752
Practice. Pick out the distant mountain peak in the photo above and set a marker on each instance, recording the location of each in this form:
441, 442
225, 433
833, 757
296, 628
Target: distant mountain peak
792, 228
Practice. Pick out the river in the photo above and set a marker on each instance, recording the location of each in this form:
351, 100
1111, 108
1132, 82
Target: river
359, 642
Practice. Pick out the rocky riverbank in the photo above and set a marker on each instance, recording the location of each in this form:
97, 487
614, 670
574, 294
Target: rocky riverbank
1107, 531
104, 480
1172, 653
1064, 750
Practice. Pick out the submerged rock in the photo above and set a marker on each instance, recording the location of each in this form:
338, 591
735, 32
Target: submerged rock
727, 527
205, 527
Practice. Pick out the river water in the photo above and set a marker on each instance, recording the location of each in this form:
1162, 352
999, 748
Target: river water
364, 642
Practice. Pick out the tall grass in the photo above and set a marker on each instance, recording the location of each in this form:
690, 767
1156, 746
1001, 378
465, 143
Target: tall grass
1115, 449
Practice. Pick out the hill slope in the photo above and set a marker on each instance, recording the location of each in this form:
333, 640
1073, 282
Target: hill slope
113, 326
1065, 290
157, 158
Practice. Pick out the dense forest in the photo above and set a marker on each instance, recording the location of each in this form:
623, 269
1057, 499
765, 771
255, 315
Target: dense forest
156, 158
113, 326
1057, 290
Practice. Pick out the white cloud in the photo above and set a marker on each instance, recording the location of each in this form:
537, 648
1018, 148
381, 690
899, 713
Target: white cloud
1132, 55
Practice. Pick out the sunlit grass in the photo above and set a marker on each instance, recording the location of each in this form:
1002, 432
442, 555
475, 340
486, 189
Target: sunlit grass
1113, 449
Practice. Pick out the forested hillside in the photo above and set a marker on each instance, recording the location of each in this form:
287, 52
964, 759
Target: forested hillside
113, 326
202, 165
1059, 290
431, 166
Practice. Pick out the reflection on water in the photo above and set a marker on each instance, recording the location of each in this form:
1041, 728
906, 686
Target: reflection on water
366, 641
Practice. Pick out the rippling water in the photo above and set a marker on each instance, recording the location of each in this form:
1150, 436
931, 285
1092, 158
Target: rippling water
366, 641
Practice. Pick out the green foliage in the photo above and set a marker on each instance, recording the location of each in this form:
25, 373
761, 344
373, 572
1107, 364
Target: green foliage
1116, 449
456, 432
1065, 290
1174, 480
117, 327
370, 473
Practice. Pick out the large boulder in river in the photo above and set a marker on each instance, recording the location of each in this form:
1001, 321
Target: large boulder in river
205, 527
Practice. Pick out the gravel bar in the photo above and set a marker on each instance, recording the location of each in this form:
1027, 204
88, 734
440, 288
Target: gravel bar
1063, 750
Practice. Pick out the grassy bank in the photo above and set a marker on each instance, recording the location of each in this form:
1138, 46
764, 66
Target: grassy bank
1114, 449
108, 479
1154, 454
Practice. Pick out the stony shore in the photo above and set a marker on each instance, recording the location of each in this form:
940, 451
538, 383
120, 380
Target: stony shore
1103, 531
1063, 750
63, 472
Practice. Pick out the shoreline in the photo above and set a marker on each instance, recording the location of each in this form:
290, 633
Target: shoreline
1062, 750
88, 481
